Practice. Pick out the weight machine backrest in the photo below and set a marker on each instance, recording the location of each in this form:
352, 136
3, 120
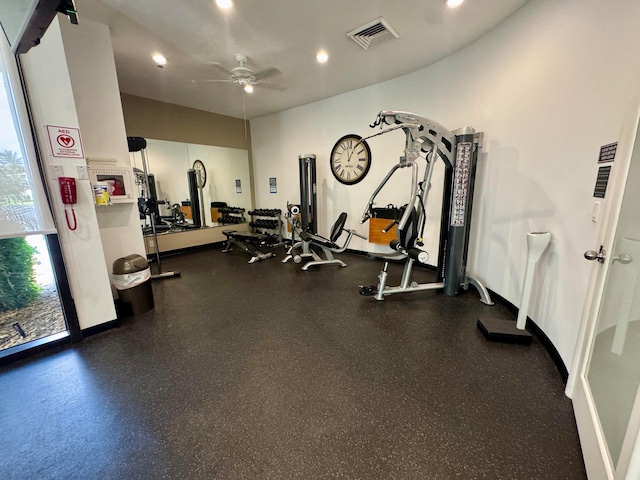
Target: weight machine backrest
338, 226
408, 235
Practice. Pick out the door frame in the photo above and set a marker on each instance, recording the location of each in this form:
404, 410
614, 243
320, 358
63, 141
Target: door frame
594, 447
26, 126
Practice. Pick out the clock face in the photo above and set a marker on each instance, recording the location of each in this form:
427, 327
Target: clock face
201, 173
350, 159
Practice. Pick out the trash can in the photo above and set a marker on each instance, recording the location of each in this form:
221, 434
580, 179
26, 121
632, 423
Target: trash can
132, 279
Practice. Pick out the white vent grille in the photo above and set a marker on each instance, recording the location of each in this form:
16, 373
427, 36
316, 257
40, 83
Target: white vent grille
373, 34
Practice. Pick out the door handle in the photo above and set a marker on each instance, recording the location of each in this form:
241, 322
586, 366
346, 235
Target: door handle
623, 258
593, 255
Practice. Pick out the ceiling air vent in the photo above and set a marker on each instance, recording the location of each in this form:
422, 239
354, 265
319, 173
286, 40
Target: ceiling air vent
373, 34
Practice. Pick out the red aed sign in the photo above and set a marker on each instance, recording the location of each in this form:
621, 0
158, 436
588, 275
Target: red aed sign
65, 142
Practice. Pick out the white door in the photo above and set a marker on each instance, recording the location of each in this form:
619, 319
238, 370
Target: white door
604, 385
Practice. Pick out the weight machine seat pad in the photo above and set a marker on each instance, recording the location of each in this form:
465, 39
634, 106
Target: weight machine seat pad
248, 236
318, 240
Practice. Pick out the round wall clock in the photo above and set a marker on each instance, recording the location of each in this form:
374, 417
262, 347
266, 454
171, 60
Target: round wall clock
201, 173
350, 159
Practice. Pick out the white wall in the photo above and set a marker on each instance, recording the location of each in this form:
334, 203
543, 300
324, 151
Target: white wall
548, 87
96, 96
52, 101
72, 82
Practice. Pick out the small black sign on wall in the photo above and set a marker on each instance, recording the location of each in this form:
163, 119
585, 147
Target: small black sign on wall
602, 181
608, 153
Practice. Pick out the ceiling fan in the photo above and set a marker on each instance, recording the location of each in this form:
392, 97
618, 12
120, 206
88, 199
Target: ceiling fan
243, 75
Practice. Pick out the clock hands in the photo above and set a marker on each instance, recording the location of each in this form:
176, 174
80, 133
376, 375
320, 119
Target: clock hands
342, 168
350, 151
353, 149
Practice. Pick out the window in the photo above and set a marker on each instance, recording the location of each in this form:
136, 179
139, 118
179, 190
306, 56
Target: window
30, 307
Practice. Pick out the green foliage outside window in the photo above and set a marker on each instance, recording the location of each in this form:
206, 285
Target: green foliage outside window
17, 209
18, 287
14, 183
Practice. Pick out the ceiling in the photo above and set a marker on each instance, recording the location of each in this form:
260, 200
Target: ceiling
281, 34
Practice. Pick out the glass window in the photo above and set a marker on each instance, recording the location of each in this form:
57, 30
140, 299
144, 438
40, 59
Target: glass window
30, 307
23, 206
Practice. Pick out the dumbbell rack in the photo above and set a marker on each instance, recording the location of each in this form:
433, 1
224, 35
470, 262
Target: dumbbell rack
267, 221
231, 215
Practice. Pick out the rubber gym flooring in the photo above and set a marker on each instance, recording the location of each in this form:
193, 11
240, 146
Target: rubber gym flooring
264, 371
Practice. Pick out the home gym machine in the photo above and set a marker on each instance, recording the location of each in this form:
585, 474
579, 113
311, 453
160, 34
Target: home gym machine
148, 204
430, 141
139, 144
310, 242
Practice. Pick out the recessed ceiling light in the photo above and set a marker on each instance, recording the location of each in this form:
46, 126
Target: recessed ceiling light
453, 3
248, 88
224, 4
322, 56
160, 60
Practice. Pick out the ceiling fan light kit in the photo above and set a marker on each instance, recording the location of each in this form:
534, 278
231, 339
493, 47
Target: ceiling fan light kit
453, 3
224, 4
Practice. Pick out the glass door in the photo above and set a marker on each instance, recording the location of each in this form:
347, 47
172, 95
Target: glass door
613, 372
31, 270
606, 392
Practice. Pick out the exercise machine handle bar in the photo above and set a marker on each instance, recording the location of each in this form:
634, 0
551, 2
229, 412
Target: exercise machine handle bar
414, 194
421, 134
419, 192
390, 226
368, 211
414, 184
350, 233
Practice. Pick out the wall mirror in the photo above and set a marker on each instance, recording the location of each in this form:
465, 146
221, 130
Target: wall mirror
227, 171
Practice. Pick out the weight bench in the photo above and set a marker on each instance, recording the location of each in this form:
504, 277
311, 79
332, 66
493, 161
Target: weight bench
249, 242
327, 245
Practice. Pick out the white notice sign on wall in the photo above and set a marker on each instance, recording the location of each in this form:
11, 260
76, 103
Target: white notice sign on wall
65, 142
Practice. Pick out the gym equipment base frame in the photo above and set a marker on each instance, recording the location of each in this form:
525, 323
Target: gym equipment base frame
249, 242
305, 253
327, 245
407, 286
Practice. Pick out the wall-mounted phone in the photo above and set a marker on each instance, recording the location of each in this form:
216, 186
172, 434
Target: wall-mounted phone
69, 195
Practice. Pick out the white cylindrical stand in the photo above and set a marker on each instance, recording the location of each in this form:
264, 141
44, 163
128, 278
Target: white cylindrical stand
536, 244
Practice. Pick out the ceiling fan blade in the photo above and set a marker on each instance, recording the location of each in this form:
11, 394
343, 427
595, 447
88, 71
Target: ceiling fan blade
221, 67
269, 72
212, 81
271, 86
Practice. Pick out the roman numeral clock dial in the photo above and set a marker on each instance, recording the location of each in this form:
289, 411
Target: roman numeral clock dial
350, 159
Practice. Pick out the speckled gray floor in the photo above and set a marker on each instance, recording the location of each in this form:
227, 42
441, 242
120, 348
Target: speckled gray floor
264, 371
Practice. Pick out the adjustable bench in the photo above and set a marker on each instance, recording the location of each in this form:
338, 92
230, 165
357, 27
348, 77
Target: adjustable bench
249, 242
